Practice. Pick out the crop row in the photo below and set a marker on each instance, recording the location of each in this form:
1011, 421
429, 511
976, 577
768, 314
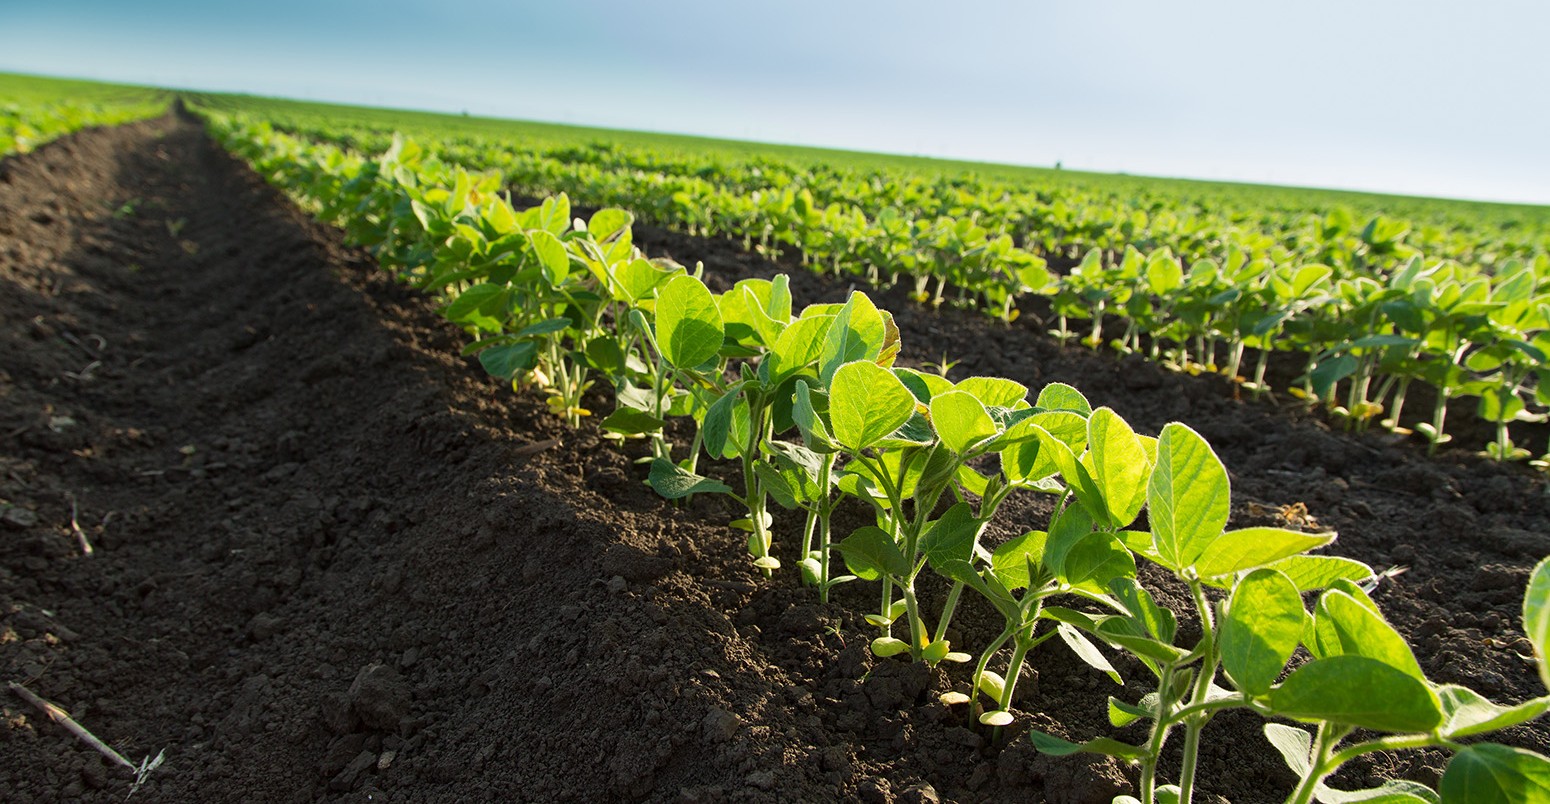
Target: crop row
1368, 312
39, 110
809, 404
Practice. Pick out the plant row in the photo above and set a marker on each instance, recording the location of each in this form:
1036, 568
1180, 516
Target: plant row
24, 126
809, 405
1369, 314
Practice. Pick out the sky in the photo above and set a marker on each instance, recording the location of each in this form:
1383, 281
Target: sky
1416, 97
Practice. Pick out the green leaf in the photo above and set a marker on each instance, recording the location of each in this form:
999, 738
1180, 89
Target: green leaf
1467, 713
923, 386
716, 430
1265, 622
603, 353
1187, 497
777, 484
799, 346
1311, 573
870, 552
509, 360
815, 434
1087, 651
767, 326
1496, 774
884, 647
1143, 647
1357, 691
953, 536
1293, 744
1056, 747
866, 403
1096, 560
689, 328
1251, 548
1344, 626
994, 392
674, 482
545, 327
1164, 275
857, 333
960, 420
631, 421
638, 278
605, 223
1328, 372
552, 259
1123, 714
1071, 524
1395, 791
1155, 620
1059, 396
1536, 617
554, 213
480, 306
916, 432
1010, 561
1067, 427
1074, 473
1119, 465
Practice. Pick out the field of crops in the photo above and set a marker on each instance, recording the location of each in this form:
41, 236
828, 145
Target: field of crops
364, 454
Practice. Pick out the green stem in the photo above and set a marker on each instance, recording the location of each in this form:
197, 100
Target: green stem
916, 625
886, 606
1194, 723
809, 525
979, 668
1236, 360
1160, 728
1399, 402
1259, 371
1439, 416
825, 508
1396, 742
1325, 761
1015, 668
947, 611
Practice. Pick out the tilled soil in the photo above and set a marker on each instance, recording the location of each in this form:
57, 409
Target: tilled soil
331, 560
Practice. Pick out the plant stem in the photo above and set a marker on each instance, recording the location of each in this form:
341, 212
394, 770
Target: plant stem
1324, 742
979, 668
1160, 728
1439, 415
1259, 371
1399, 402
825, 508
808, 526
1236, 360
947, 610
1014, 668
1194, 723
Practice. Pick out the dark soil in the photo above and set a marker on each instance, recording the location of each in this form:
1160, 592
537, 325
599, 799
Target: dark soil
334, 561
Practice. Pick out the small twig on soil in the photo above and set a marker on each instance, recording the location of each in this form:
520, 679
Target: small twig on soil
63, 718
90, 352
75, 526
84, 374
535, 447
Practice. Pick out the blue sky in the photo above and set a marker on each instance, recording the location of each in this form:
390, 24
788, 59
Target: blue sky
1419, 97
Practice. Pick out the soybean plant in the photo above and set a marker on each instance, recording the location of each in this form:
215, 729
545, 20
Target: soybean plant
1363, 674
